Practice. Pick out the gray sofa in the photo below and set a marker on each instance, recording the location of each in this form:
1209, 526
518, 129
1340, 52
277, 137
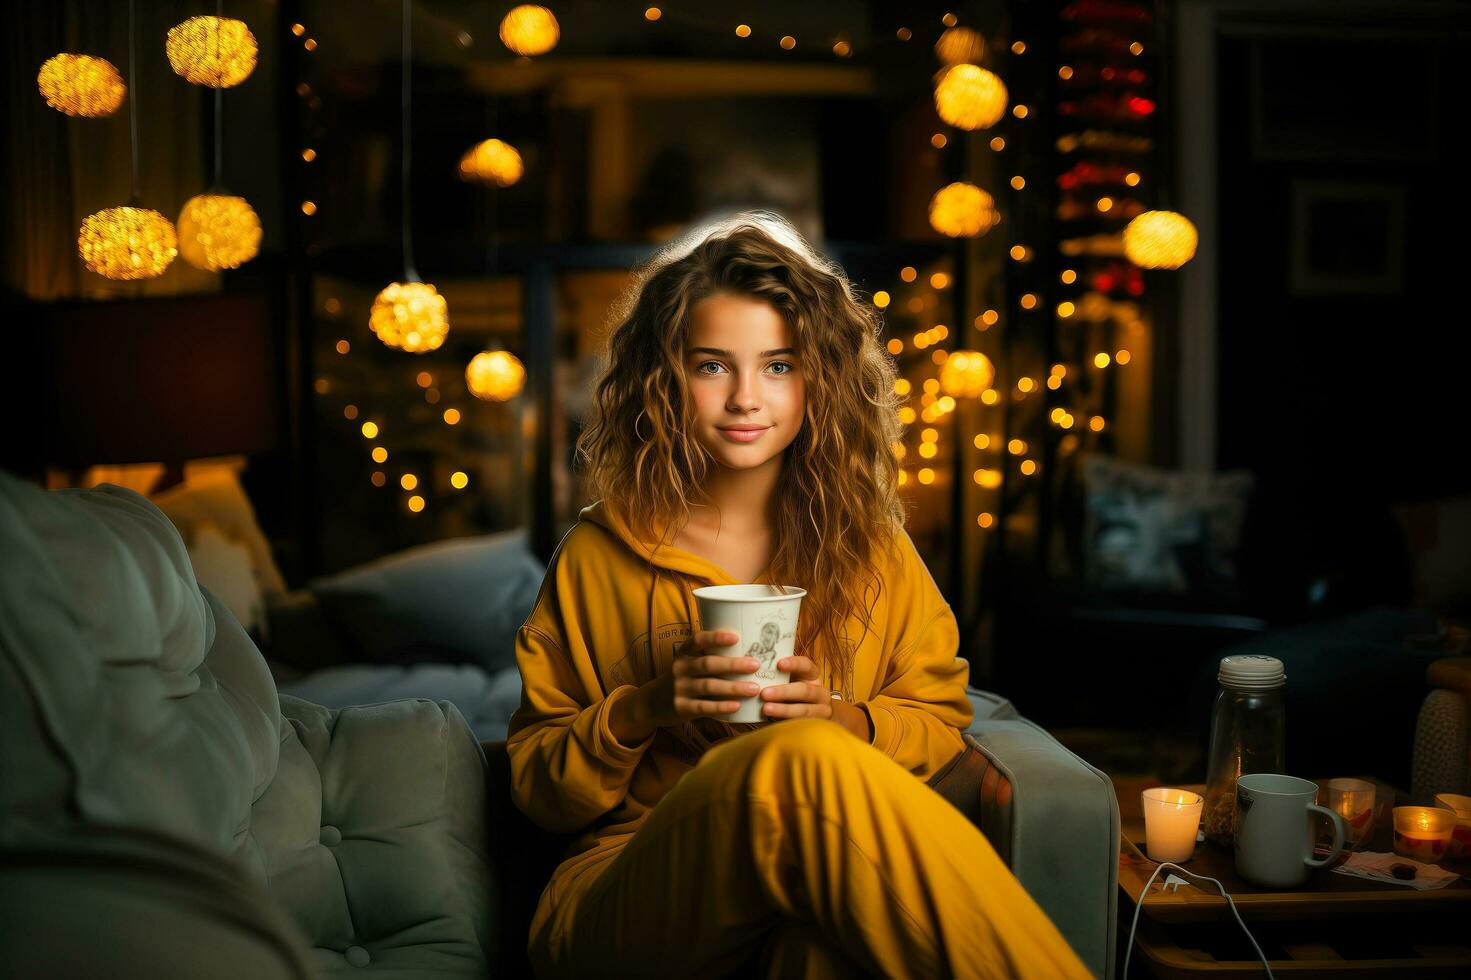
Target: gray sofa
166, 812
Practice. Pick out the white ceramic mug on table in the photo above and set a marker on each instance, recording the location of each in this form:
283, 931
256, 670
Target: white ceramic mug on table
1273, 829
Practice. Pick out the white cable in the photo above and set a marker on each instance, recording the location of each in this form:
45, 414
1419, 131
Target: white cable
1139, 907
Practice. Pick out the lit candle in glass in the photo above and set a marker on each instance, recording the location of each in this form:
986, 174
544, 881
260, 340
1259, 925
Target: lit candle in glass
1423, 832
1353, 800
1461, 807
1171, 819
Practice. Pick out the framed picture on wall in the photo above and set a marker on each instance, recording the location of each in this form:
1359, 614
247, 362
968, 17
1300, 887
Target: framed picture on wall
1347, 238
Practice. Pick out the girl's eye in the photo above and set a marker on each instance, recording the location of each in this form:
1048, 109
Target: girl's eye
700, 369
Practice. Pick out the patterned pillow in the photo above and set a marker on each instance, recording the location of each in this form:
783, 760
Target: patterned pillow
1157, 530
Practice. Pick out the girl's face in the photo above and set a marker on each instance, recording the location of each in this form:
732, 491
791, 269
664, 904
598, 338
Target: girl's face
742, 372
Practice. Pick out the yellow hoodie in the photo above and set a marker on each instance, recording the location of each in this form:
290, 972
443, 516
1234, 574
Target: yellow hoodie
612, 611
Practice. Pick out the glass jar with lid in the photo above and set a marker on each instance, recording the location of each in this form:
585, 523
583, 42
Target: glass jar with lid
1247, 735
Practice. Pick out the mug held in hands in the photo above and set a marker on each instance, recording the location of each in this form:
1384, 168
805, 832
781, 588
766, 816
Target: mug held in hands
765, 618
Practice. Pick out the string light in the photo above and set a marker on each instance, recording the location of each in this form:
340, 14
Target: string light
985, 519
970, 97
1122, 357
492, 161
1160, 240
416, 503
380, 455
908, 273
960, 44
451, 416
81, 85
967, 373
1028, 467
743, 30
1018, 182
1101, 360
926, 476
1069, 276
938, 141
1028, 300
1018, 47
459, 479
881, 299
939, 280
653, 14
962, 210
530, 30
219, 52
788, 42
998, 143
218, 231
981, 441
495, 375
895, 346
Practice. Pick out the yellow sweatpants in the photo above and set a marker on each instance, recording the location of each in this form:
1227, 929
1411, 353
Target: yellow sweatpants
801, 845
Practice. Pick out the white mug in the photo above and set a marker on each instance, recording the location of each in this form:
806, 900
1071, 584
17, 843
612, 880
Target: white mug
1273, 829
765, 617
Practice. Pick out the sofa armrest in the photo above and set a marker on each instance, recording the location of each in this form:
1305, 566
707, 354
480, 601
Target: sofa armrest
1055, 822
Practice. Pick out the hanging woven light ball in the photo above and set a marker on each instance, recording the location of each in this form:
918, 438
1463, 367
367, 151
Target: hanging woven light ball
966, 373
970, 97
495, 375
410, 316
530, 30
960, 44
81, 85
215, 51
962, 210
127, 243
492, 161
218, 231
1160, 240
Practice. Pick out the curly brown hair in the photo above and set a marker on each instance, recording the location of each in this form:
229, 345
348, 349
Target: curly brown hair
837, 506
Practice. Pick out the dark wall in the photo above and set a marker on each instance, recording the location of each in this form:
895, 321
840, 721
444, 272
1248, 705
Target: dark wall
1342, 337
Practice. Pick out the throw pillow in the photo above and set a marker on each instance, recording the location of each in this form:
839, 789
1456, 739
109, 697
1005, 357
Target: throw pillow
456, 601
1152, 529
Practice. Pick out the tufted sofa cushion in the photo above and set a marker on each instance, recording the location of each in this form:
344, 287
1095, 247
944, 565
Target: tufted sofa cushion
130, 699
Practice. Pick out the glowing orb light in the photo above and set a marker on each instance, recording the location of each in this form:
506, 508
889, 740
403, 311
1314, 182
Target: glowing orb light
81, 85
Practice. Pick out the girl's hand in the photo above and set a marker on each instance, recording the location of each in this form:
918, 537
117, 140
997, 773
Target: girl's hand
803, 697
695, 685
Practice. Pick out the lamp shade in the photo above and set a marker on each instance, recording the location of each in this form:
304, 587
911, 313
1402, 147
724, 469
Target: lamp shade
151, 380
218, 231
127, 243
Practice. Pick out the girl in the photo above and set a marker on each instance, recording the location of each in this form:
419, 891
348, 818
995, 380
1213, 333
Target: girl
742, 432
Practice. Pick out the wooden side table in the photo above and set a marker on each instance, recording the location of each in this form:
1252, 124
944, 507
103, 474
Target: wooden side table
1335, 924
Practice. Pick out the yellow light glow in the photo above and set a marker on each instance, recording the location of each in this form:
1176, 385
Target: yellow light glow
946, 404
982, 441
370, 430
1066, 422
1020, 111
333, 305
322, 386
1057, 414
1136, 48
432, 396
379, 478
310, 44
1065, 72
81, 85
920, 341
1028, 467
380, 455
495, 375
492, 161
298, 29
343, 346
928, 450
1018, 182
408, 481
1016, 447
906, 415
127, 243
1160, 240
962, 210
743, 30
903, 477
309, 154
410, 316
416, 503
881, 299
931, 386
939, 280
1122, 357
990, 479
451, 416
901, 386
218, 231
927, 400
926, 476
1096, 423
960, 44
1059, 370
349, 412
904, 34
308, 208
1054, 382
1101, 360
530, 30
990, 318
219, 52
1132, 179
998, 143
459, 479
788, 42
1105, 205
1065, 309
970, 97
1025, 384
895, 345
653, 14
1018, 47
908, 273
1029, 300
842, 49
990, 396
1069, 276
899, 451
939, 356
929, 435
938, 141
985, 520
949, 20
